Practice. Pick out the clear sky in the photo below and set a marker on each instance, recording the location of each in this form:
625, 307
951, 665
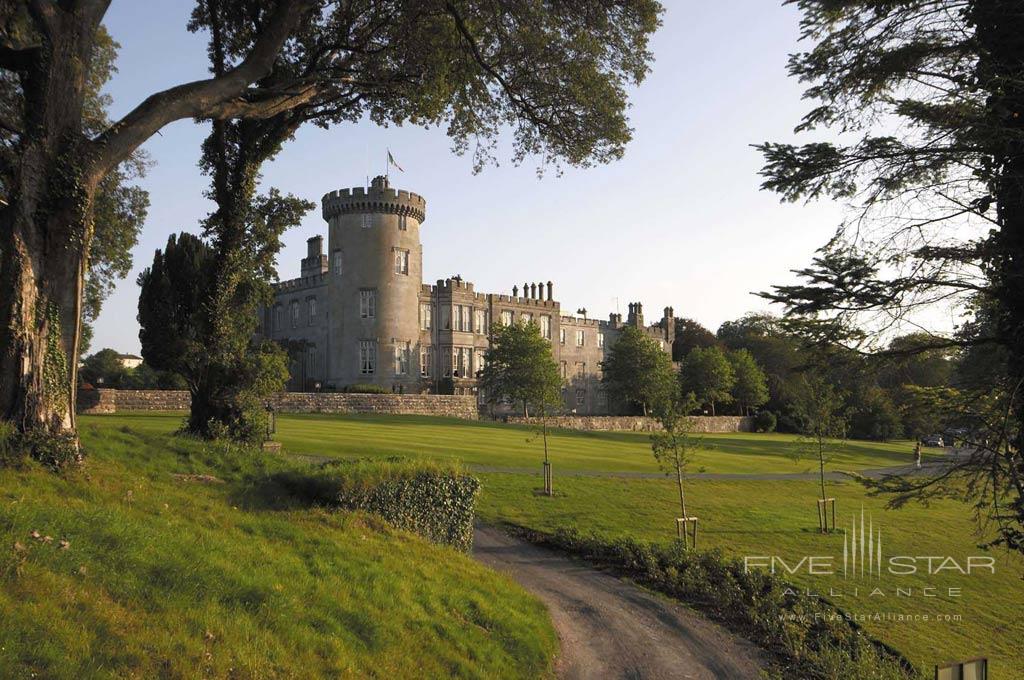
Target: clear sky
679, 221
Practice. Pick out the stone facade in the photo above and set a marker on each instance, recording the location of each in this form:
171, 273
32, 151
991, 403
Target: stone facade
701, 424
360, 313
450, 406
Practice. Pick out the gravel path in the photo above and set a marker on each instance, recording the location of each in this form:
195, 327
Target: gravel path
613, 629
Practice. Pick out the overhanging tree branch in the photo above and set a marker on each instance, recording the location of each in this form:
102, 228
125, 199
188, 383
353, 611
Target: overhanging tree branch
197, 98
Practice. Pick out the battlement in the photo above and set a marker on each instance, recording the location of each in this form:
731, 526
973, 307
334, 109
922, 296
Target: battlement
379, 198
579, 321
301, 283
453, 284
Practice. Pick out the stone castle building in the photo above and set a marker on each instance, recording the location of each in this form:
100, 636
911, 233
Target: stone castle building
360, 312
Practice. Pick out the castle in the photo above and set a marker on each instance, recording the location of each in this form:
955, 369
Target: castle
360, 313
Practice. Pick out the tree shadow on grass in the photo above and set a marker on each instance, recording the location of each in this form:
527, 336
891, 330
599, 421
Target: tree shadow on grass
285, 490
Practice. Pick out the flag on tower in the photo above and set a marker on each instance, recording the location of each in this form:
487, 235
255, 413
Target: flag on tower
392, 161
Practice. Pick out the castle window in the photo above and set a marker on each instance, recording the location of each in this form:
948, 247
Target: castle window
565, 370
426, 316
336, 264
545, 326
367, 357
581, 396
581, 369
480, 319
460, 362
506, 318
402, 224
426, 359
561, 336
278, 320
294, 308
527, 318
464, 312
446, 364
367, 222
446, 318
368, 303
480, 360
580, 338
312, 310
600, 339
402, 360
401, 261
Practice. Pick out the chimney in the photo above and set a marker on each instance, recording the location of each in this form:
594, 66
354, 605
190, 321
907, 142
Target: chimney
515, 291
550, 289
315, 261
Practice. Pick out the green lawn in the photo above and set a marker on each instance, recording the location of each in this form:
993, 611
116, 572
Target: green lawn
494, 445
742, 517
180, 579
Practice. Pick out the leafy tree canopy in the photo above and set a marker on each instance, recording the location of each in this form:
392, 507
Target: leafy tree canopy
707, 373
636, 370
520, 368
750, 389
690, 334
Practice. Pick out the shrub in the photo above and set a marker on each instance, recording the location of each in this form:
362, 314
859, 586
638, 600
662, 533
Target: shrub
12, 453
55, 451
806, 637
433, 500
765, 421
365, 388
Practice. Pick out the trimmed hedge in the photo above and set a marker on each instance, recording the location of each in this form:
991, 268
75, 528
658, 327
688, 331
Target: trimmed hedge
805, 637
434, 500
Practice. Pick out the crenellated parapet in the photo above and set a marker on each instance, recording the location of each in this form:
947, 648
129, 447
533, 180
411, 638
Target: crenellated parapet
379, 198
581, 321
301, 283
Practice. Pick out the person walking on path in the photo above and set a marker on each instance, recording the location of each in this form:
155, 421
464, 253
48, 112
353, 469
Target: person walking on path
917, 454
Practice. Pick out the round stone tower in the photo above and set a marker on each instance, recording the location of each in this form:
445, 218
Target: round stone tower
375, 274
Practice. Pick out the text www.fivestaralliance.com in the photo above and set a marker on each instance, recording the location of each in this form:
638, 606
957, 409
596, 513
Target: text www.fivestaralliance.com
879, 617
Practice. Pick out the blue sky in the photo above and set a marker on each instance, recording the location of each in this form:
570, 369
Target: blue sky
679, 221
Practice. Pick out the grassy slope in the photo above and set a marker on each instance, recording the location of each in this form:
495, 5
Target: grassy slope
168, 578
490, 444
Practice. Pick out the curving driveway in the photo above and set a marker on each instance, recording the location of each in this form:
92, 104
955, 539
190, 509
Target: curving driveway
611, 628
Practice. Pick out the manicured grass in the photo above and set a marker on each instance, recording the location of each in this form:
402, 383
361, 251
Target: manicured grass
496, 445
741, 517
164, 577
763, 518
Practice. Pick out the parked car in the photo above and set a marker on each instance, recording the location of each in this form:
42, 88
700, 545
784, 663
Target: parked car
933, 440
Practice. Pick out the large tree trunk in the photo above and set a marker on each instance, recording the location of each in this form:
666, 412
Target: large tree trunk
44, 237
46, 219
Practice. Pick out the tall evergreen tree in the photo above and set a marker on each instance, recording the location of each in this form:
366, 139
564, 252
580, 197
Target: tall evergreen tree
931, 92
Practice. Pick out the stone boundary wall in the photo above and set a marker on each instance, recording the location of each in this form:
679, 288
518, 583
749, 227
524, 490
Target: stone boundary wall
706, 424
452, 406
